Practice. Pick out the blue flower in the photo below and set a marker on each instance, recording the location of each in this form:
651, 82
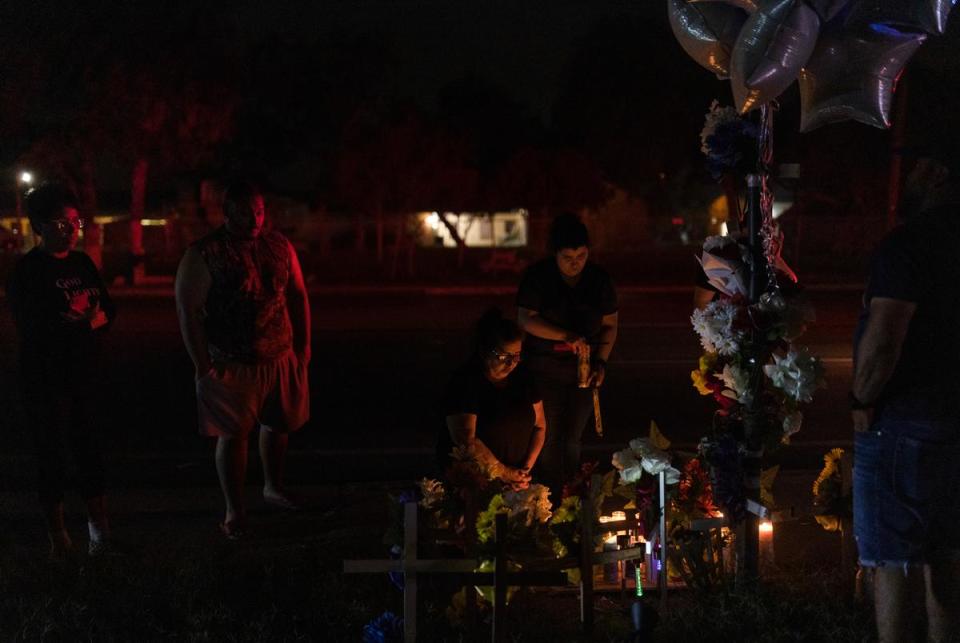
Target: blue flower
731, 147
396, 577
723, 456
410, 495
386, 628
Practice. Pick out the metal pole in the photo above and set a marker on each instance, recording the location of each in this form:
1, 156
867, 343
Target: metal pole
753, 414
754, 226
662, 576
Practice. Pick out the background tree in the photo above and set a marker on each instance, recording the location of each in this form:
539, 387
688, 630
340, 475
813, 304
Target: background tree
390, 165
162, 99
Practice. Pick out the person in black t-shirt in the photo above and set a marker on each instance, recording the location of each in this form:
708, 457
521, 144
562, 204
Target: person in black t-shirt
567, 305
905, 406
60, 307
491, 406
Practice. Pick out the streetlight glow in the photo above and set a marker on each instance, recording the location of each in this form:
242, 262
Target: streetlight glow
26, 178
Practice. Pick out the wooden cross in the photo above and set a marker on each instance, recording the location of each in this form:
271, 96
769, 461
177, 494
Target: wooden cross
462, 569
588, 557
410, 566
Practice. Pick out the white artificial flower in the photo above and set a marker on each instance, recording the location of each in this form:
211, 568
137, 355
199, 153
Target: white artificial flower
631, 474
643, 456
737, 381
791, 425
797, 374
624, 459
534, 500
656, 463
726, 274
714, 325
640, 446
432, 491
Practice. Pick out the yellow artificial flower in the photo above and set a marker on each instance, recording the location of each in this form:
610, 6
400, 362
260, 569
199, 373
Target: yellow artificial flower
700, 382
707, 362
831, 462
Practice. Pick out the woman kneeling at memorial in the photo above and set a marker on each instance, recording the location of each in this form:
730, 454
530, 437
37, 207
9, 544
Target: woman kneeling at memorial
491, 407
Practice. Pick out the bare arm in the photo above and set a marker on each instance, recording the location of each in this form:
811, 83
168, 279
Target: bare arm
531, 322
879, 350
607, 336
298, 305
463, 432
192, 287
537, 437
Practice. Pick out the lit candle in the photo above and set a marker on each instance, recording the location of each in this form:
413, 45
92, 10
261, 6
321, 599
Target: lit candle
766, 541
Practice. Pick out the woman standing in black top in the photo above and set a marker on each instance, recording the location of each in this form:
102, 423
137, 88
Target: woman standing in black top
491, 407
567, 305
61, 307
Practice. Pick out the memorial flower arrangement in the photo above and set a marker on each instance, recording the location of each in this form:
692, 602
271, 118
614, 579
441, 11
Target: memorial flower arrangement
691, 554
828, 497
751, 365
386, 628
735, 334
727, 140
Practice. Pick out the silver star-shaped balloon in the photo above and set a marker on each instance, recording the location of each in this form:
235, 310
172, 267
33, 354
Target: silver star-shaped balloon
852, 75
772, 48
707, 32
909, 15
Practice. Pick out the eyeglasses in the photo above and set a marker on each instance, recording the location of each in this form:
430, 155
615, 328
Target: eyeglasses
507, 359
66, 225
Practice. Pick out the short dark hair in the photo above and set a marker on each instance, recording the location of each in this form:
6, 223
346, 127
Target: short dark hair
493, 329
46, 202
568, 231
240, 191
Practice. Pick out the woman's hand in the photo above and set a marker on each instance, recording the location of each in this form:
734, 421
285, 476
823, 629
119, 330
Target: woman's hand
516, 478
599, 373
577, 344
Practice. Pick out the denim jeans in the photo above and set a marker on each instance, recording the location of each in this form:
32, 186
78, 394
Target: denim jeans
906, 492
567, 410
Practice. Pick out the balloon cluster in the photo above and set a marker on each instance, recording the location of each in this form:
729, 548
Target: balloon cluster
846, 54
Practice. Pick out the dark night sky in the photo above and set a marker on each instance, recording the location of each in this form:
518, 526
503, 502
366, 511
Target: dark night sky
521, 46
527, 48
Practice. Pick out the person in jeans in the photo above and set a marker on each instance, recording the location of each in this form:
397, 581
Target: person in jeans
567, 305
906, 411
245, 320
61, 309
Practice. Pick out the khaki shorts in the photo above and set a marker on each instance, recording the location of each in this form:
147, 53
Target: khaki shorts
235, 398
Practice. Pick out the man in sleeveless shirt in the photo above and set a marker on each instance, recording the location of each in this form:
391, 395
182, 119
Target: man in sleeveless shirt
245, 320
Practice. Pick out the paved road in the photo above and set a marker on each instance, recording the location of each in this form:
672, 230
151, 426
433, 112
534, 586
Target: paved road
381, 360
379, 363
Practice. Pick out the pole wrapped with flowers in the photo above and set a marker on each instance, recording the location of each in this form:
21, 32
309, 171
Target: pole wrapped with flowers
751, 365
